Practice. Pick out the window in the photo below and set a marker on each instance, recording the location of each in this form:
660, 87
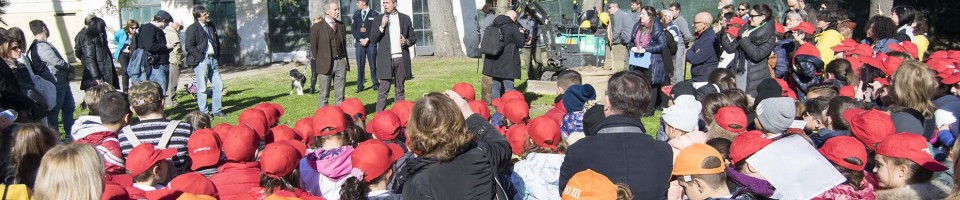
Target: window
421, 26
289, 26
142, 11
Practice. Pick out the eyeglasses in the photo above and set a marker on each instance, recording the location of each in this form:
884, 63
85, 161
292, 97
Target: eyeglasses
15, 48
743, 9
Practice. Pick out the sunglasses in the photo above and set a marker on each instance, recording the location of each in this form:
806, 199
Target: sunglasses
755, 15
15, 47
743, 9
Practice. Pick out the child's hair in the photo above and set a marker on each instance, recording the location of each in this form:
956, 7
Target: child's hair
913, 87
854, 177
841, 69
720, 73
712, 180
902, 55
727, 83
70, 171
92, 97
145, 176
623, 192
722, 145
823, 89
289, 182
835, 111
815, 107
197, 119
113, 107
31, 141
917, 173
355, 189
351, 135
534, 148
566, 78
712, 103
738, 97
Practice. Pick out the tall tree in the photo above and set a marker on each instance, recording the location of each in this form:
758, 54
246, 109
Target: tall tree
446, 40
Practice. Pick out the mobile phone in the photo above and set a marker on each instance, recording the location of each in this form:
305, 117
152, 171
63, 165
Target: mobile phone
9, 114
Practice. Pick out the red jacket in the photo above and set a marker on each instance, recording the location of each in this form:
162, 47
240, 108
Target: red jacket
236, 179
109, 147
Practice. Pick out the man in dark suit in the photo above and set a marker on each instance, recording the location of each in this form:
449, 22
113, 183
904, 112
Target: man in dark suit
394, 38
362, 25
203, 50
329, 49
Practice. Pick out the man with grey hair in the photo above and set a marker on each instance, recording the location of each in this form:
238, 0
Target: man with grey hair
678, 64
621, 26
329, 47
702, 55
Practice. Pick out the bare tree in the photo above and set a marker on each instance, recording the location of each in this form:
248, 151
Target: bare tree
446, 40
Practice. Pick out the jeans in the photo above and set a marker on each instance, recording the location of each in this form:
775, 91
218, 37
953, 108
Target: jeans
208, 69
64, 108
159, 75
500, 84
679, 64
363, 55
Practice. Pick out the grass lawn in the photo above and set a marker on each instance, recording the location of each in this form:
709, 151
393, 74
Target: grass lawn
430, 75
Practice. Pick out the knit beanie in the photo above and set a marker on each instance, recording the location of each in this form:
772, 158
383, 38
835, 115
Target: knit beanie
577, 95
682, 88
768, 88
776, 114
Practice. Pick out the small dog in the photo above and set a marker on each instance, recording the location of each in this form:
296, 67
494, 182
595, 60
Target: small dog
297, 81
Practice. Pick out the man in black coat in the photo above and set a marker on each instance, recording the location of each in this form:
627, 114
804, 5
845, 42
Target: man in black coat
203, 53
703, 54
366, 51
394, 38
620, 150
504, 68
154, 42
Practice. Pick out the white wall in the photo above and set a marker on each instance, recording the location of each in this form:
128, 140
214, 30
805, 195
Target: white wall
62, 28
252, 28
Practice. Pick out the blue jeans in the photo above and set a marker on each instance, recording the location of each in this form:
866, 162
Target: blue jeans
500, 86
64, 108
159, 75
363, 54
208, 70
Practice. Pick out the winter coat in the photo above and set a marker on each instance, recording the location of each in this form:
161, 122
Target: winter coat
847, 192
197, 43
382, 39
880, 46
703, 55
323, 172
751, 63
507, 64
656, 46
931, 190
472, 174
235, 179
825, 134
622, 152
807, 73
11, 97
382, 195
86, 125
536, 176
97, 63
826, 40
784, 51
109, 147
152, 40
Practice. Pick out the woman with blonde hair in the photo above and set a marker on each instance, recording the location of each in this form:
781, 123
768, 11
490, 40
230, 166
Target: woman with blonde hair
70, 171
913, 87
31, 142
459, 154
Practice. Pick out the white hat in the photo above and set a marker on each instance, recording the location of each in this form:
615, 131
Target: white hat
684, 114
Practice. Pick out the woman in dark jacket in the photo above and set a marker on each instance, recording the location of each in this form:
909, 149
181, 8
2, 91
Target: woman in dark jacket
97, 59
648, 36
504, 68
754, 46
16, 86
459, 154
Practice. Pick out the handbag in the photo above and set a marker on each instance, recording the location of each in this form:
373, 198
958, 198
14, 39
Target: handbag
135, 68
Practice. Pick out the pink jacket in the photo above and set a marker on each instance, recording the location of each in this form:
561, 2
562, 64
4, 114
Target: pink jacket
845, 191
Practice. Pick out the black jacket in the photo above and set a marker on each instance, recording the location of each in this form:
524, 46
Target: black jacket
12, 97
152, 39
471, 175
753, 53
507, 64
97, 63
367, 23
197, 44
625, 156
382, 39
78, 43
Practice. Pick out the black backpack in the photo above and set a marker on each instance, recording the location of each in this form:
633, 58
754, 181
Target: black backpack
491, 43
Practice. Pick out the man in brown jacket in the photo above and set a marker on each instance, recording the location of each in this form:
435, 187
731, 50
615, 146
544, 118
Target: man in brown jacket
329, 49
172, 33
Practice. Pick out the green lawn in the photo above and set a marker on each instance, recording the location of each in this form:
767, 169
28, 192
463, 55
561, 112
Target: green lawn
430, 75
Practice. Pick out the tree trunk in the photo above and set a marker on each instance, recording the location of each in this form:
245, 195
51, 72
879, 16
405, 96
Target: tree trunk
446, 41
315, 8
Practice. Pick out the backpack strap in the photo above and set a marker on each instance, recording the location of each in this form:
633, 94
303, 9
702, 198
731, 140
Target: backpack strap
168, 133
132, 138
5, 189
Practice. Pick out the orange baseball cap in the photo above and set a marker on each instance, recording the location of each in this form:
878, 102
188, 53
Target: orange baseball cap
589, 184
690, 160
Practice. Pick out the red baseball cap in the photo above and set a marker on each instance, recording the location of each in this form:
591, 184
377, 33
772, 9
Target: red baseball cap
332, 121
353, 107
203, 147
912, 147
304, 127
240, 144
779, 28
279, 159
507, 96
465, 90
480, 108
785, 89
384, 125
805, 27
402, 108
848, 91
855, 63
745, 144
862, 50
736, 20
254, 118
869, 126
952, 79
271, 112
844, 46
544, 132
302, 148
517, 136
666, 90
807, 49
192, 183
731, 115
222, 128
837, 148
892, 63
733, 30
144, 156
282, 133
906, 47
939, 54
516, 110
374, 158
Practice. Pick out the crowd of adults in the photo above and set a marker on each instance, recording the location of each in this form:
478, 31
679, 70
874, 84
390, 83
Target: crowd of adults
795, 109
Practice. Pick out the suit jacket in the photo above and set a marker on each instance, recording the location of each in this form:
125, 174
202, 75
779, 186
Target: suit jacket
360, 22
197, 44
323, 41
382, 39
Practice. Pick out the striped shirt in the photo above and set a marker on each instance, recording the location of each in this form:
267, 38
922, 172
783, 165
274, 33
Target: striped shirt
150, 131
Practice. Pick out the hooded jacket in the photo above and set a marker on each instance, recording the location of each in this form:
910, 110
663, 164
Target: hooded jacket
806, 74
845, 191
931, 190
235, 179
109, 147
537, 176
86, 125
507, 64
752, 55
323, 172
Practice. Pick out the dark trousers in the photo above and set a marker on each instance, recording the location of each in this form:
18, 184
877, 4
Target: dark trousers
659, 100
313, 75
399, 77
124, 59
364, 54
